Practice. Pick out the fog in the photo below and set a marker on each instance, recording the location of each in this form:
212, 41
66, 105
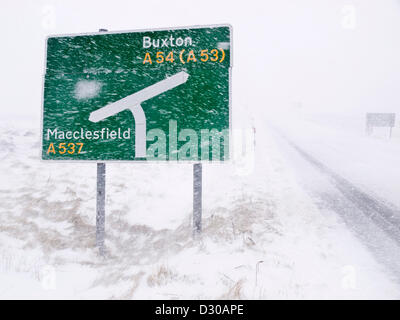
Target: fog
335, 56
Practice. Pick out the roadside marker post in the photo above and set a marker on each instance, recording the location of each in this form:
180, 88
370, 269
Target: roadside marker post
380, 120
152, 95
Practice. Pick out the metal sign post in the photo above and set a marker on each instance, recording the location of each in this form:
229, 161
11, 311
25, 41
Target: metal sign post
197, 198
100, 207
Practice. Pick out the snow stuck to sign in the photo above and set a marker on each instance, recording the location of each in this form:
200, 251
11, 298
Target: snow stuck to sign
87, 89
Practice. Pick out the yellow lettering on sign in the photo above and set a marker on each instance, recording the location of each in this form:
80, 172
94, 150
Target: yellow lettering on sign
160, 57
204, 55
80, 144
64, 148
191, 56
51, 149
147, 58
214, 52
170, 57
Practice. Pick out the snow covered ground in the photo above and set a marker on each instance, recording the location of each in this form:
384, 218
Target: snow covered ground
264, 237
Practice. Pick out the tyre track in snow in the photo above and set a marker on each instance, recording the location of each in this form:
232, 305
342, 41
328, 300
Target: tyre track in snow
385, 216
375, 222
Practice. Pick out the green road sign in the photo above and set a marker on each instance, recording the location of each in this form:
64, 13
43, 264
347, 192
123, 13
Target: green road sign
152, 95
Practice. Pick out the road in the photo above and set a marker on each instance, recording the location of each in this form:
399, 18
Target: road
374, 221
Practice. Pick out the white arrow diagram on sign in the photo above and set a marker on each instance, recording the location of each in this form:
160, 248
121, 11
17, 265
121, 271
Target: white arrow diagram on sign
133, 101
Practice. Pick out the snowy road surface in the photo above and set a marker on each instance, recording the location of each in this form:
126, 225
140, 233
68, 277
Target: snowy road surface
282, 230
374, 221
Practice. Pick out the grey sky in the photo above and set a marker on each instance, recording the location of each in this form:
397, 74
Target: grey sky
307, 51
